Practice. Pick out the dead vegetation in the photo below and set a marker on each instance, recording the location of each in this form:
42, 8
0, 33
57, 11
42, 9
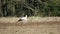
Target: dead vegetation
31, 21
34, 25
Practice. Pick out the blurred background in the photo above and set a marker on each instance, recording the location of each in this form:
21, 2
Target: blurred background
19, 8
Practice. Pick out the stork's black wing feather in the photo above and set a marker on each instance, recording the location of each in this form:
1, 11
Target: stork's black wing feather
20, 20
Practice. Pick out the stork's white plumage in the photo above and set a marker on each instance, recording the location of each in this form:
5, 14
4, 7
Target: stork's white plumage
23, 18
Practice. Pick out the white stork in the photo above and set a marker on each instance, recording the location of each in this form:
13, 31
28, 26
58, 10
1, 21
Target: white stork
23, 18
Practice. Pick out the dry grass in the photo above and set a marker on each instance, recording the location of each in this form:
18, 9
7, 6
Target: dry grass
34, 25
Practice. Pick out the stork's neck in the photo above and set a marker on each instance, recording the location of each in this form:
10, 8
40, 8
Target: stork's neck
26, 16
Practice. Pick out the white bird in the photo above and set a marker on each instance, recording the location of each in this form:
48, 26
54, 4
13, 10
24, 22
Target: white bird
23, 18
